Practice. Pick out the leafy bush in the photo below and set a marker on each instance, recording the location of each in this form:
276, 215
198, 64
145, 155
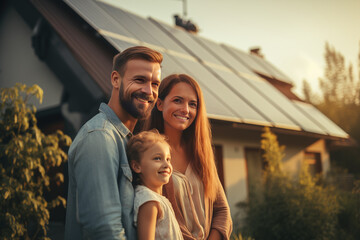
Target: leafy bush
239, 237
289, 208
26, 156
349, 215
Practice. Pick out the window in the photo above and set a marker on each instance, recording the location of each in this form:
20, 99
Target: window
313, 159
255, 165
218, 152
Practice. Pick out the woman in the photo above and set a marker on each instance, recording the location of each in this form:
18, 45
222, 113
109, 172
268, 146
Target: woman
194, 190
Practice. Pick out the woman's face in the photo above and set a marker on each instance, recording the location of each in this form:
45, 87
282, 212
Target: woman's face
179, 108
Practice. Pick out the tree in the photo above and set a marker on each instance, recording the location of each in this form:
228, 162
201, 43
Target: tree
26, 156
307, 92
340, 101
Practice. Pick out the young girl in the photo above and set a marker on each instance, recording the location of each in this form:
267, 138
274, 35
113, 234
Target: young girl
149, 157
194, 191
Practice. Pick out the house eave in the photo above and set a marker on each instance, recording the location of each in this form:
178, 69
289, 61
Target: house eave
340, 141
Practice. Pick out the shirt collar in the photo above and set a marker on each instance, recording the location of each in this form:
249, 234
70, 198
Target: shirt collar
113, 118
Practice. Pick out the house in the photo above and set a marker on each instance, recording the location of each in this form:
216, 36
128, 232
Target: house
66, 47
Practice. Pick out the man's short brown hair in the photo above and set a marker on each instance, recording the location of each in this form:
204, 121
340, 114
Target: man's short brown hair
138, 52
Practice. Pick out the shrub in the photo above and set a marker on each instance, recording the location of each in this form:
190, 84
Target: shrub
26, 156
289, 208
239, 237
349, 215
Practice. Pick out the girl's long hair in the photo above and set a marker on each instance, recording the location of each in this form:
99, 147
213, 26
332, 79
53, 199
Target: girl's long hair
197, 136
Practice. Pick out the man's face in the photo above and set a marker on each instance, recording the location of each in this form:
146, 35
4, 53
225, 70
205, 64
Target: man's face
139, 87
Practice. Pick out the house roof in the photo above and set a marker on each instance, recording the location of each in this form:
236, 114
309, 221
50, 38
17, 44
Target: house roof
231, 79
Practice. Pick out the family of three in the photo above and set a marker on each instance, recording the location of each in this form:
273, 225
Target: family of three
159, 184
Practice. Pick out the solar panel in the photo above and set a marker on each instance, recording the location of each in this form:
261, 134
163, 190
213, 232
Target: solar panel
163, 39
184, 39
226, 75
232, 81
171, 66
254, 99
297, 118
247, 60
288, 106
225, 95
330, 127
119, 44
123, 18
226, 57
97, 17
272, 69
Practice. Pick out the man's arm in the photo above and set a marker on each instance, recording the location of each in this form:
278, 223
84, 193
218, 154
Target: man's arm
96, 168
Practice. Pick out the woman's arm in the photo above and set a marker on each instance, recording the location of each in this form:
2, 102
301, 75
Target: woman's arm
214, 235
146, 222
221, 221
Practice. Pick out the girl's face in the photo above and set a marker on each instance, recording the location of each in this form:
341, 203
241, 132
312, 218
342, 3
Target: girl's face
154, 167
179, 108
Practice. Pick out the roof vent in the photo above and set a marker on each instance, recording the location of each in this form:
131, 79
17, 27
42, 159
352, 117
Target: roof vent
257, 52
186, 24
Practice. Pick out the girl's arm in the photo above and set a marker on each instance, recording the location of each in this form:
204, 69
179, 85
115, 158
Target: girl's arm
146, 222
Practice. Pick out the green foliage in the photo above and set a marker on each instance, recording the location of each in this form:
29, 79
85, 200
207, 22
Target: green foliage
338, 84
339, 100
273, 152
349, 216
26, 156
239, 237
289, 208
349, 201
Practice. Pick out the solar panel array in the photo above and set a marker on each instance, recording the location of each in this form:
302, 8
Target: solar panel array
232, 89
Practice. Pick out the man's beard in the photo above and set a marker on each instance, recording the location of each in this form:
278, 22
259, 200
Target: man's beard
130, 106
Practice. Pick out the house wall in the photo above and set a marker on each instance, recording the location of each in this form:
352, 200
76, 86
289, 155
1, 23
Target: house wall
234, 142
18, 62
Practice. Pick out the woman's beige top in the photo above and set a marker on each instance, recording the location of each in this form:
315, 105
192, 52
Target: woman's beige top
189, 197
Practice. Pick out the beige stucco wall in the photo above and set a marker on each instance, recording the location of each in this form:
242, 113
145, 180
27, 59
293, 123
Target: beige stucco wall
235, 140
18, 62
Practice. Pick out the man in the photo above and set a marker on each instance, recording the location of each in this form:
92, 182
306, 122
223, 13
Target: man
100, 197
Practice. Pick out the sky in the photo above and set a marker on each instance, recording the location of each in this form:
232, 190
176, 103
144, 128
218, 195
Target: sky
291, 33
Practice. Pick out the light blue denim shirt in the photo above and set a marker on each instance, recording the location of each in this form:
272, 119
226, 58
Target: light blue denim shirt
101, 196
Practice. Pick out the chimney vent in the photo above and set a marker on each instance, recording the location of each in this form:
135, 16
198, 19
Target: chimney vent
256, 51
185, 24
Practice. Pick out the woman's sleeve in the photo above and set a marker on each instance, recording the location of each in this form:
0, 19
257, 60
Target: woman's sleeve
221, 220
